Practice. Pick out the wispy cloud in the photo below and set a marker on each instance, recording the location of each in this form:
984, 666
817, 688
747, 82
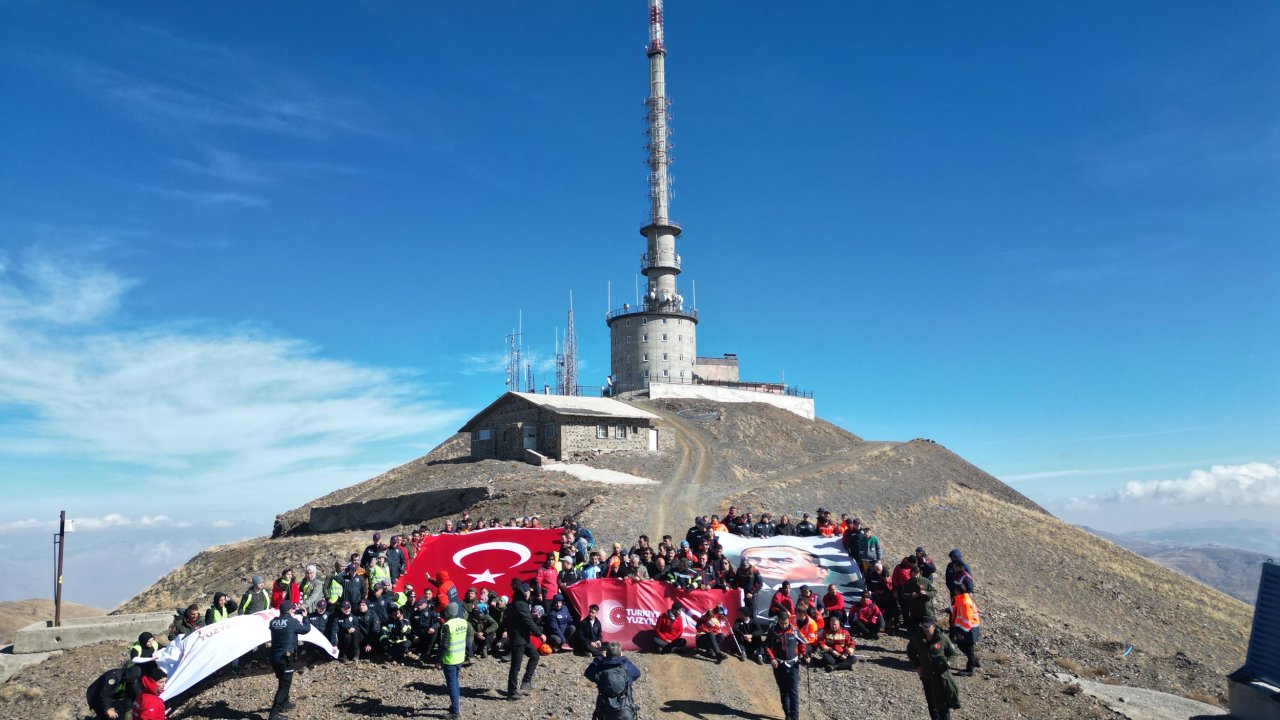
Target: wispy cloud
496, 363
225, 404
91, 524
1094, 472
208, 198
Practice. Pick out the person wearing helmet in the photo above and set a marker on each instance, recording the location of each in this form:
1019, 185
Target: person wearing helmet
710, 627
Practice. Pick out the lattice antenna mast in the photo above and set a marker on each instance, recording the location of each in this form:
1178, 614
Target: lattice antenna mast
515, 348
570, 354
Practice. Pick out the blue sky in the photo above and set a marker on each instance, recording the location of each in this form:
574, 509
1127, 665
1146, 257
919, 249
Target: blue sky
249, 254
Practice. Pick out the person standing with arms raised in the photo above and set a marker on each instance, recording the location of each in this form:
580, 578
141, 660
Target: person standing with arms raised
285, 630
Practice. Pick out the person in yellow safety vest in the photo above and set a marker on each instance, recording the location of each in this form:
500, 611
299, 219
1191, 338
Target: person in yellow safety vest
452, 654
333, 588
257, 598
404, 598
379, 571
145, 647
220, 609
965, 630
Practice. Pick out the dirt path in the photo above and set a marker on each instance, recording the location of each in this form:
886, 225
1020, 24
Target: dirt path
688, 686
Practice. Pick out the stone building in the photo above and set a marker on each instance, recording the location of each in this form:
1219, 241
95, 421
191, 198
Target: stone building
558, 426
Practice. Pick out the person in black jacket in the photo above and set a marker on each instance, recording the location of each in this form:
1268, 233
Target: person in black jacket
805, 528
588, 640
353, 586
520, 626
344, 633
109, 696
785, 648
285, 630
426, 622
369, 627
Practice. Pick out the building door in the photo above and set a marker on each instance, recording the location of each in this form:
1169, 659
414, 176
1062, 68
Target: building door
653, 439
530, 437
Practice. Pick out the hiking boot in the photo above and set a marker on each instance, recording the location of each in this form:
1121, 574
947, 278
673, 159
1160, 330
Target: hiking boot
526, 686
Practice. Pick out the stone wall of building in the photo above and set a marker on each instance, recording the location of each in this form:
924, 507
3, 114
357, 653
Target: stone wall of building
584, 437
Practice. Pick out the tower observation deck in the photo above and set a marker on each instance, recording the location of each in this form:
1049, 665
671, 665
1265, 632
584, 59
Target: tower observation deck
657, 338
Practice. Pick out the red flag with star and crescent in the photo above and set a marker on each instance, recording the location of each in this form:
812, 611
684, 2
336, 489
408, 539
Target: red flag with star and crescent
488, 558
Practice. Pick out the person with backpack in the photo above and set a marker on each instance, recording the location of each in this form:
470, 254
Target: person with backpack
613, 675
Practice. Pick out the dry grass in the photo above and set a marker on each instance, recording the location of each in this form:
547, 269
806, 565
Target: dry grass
1073, 689
14, 692
1203, 697
1069, 665
64, 713
998, 658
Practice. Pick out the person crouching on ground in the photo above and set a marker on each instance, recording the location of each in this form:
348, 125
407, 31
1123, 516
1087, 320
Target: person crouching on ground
613, 675
868, 619
837, 647
669, 633
710, 628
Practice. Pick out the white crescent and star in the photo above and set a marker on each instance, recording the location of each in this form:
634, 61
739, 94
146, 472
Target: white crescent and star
488, 576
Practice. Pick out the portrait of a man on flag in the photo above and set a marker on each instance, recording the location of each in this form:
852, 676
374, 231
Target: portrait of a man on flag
813, 562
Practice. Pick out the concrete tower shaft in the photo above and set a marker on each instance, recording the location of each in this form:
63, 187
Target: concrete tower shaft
656, 341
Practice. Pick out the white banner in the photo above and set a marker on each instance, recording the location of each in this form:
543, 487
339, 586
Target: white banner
815, 562
194, 657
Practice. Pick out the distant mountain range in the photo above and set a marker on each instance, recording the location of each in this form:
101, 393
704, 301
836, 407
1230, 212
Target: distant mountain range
1201, 553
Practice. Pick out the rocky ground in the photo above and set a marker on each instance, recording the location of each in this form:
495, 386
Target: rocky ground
1054, 598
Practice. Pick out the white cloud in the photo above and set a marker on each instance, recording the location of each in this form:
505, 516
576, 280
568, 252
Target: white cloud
1256, 483
206, 404
91, 524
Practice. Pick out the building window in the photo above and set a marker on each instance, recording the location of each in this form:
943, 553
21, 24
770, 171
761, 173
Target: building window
602, 432
635, 429
666, 373
664, 337
549, 431
681, 357
628, 339
664, 357
644, 337
484, 434
644, 321
664, 321
628, 359
644, 358
619, 432
681, 338
645, 373
681, 374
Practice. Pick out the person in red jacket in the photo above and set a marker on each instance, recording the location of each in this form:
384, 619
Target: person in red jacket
446, 593
284, 589
669, 634
833, 605
868, 620
148, 705
548, 580
837, 647
782, 600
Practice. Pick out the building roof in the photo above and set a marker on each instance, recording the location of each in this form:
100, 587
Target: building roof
569, 406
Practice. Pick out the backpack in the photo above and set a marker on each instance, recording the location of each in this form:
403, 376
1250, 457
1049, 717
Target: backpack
587, 535
615, 701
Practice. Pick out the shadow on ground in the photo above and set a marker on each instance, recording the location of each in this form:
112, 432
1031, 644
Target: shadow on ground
704, 709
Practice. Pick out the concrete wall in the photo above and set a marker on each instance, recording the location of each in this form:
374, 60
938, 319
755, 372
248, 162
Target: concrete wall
800, 406
399, 510
721, 369
636, 344
38, 637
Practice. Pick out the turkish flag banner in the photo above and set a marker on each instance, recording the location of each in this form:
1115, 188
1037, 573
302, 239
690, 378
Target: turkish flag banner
629, 609
487, 558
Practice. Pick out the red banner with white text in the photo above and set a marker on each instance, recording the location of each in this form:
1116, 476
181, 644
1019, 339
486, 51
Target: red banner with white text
482, 559
629, 609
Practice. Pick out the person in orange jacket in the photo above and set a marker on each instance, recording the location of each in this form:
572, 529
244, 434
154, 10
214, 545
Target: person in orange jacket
837, 647
447, 592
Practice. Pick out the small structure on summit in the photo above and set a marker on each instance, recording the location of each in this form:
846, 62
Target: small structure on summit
524, 426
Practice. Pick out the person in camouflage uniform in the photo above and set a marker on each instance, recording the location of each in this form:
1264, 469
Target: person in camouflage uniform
929, 651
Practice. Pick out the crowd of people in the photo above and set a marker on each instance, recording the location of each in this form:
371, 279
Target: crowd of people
365, 618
